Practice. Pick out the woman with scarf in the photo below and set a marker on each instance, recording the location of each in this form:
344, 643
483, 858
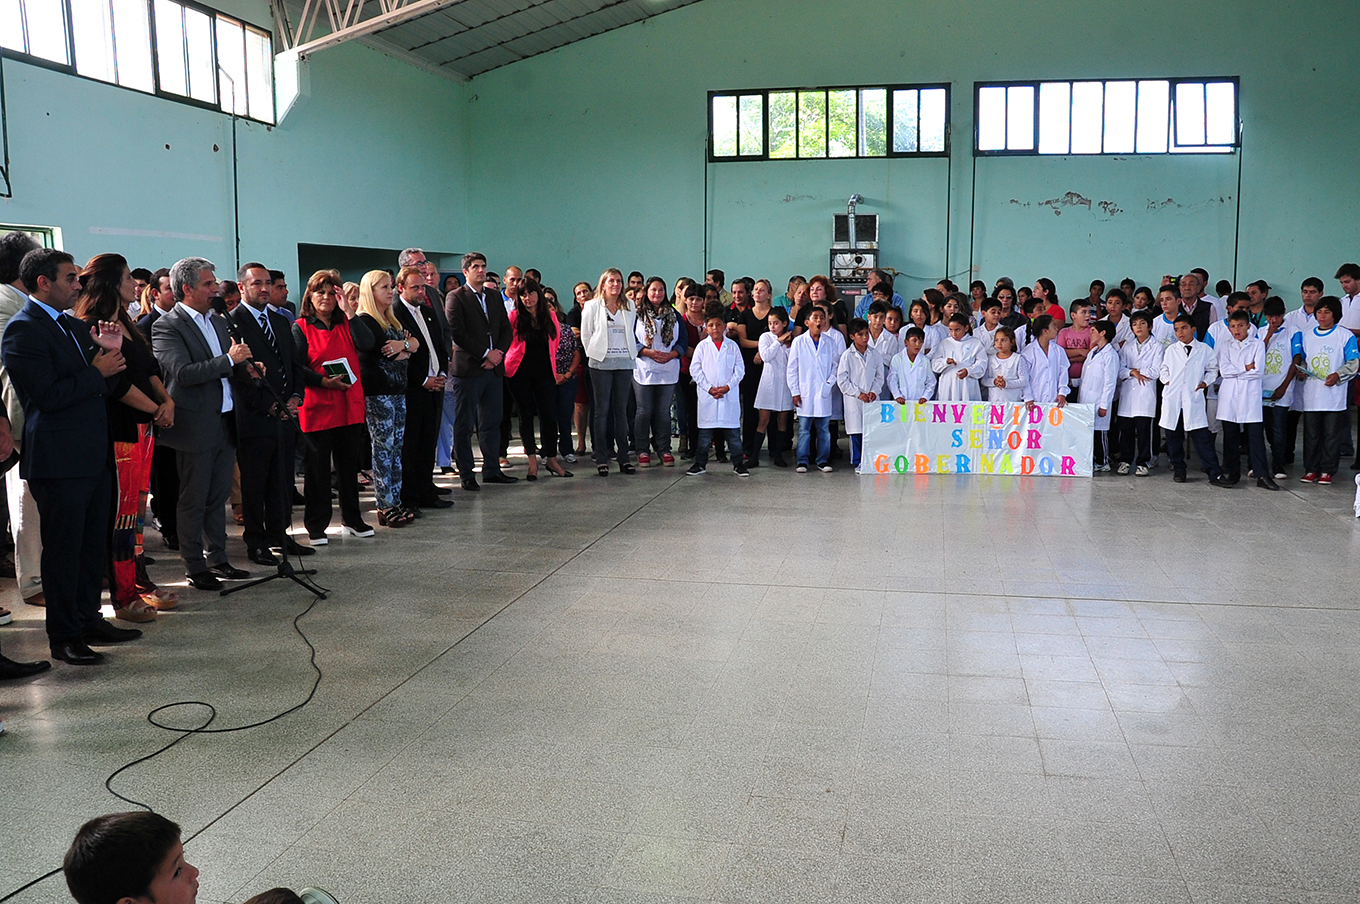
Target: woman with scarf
661, 344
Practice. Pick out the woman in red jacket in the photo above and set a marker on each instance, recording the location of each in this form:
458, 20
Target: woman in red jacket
531, 367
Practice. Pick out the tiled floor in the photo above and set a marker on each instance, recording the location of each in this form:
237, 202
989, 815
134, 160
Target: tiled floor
820, 688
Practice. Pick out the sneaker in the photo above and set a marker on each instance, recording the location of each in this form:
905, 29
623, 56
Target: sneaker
668, 459
1280, 475
695, 470
644, 459
1123, 467
1325, 480
1310, 477
1142, 471
570, 457
802, 468
740, 470
1251, 475
317, 541
1104, 467
824, 467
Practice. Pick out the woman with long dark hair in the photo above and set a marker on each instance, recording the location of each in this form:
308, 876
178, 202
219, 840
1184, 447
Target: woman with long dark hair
531, 367
106, 290
656, 371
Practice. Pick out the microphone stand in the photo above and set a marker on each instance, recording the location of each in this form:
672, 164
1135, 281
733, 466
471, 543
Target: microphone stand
285, 570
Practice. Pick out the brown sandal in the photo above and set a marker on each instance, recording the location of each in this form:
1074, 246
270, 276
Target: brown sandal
136, 611
160, 599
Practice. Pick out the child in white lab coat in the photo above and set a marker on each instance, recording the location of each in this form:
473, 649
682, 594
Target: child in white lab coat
1188, 369
811, 374
1139, 365
881, 338
958, 361
1100, 378
1006, 370
910, 376
860, 379
1242, 364
717, 369
772, 395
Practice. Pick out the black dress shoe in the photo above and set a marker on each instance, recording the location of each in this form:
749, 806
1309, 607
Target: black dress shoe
443, 491
294, 548
298, 498
263, 557
76, 653
498, 477
470, 484
11, 669
1223, 481
227, 572
1179, 477
434, 502
204, 580
171, 542
103, 632
1266, 483
446, 469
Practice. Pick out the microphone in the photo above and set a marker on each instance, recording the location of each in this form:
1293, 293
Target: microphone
219, 306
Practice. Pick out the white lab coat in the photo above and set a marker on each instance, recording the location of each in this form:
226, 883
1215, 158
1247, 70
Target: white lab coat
1123, 332
1180, 374
1016, 373
911, 380
858, 373
1139, 399
887, 346
713, 366
1239, 395
968, 355
1099, 379
773, 392
811, 373
1047, 377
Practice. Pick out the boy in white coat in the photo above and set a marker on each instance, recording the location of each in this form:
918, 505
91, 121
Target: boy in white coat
1139, 367
717, 369
1100, 378
811, 372
1188, 369
1242, 364
959, 361
860, 379
909, 375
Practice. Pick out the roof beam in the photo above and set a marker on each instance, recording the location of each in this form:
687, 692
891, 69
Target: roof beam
346, 22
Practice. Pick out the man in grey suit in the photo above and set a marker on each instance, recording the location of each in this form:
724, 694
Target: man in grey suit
196, 357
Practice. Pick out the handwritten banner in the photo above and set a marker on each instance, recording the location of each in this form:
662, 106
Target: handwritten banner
977, 438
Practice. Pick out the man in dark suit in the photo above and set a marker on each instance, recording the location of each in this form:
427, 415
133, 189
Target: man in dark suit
196, 359
425, 374
163, 301
265, 455
481, 337
64, 373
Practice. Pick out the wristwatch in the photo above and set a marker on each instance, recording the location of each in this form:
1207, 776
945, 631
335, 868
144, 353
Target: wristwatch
406, 345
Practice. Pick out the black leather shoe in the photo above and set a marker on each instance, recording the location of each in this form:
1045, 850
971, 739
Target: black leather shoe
76, 653
1266, 483
11, 669
498, 477
229, 573
470, 484
263, 557
298, 498
443, 491
1223, 481
204, 580
171, 542
103, 632
1179, 477
434, 502
294, 548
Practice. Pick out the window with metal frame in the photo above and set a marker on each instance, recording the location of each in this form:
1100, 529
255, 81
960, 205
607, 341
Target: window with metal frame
47, 236
821, 123
1113, 116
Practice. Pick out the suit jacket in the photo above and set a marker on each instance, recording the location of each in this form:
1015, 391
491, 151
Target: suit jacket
12, 301
436, 300
193, 377
474, 333
66, 418
284, 371
145, 322
418, 365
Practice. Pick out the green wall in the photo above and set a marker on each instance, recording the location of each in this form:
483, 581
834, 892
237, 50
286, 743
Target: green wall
593, 155
373, 156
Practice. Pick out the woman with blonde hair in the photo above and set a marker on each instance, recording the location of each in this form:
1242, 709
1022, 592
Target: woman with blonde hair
383, 346
607, 327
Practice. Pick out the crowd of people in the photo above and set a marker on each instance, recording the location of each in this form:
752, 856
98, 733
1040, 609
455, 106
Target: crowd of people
173, 396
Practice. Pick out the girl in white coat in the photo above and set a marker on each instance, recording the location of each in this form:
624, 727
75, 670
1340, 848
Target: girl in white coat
1099, 380
811, 374
959, 361
772, 395
860, 379
1007, 372
1140, 363
717, 368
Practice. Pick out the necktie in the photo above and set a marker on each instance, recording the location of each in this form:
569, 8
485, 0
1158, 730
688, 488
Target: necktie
269, 334
1187, 351
66, 327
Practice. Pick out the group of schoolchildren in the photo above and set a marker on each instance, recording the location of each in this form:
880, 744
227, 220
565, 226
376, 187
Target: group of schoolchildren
1192, 364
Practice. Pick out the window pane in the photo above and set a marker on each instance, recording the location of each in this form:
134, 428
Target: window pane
1088, 117
1020, 118
933, 117
1153, 116
1121, 100
93, 33
260, 74
170, 47
783, 125
1190, 113
904, 121
873, 122
1055, 110
198, 36
46, 20
231, 58
132, 33
751, 108
844, 119
811, 123
1222, 112
991, 118
725, 126
11, 25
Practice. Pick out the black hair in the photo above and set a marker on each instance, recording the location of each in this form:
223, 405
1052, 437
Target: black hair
1260, 285
693, 290
1223, 287
749, 282
636, 273
1184, 318
1041, 323
714, 309
958, 317
1098, 282
142, 273
1034, 302
1313, 282
1169, 287
1234, 297
914, 332
42, 262
277, 276
1104, 328
1128, 281
1273, 306
977, 284
900, 313
1351, 270
252, 265
857, 324
117, 856
718, 277
524, 318
779, 313
471, 258
13, 247
989, 303
880, 307
1241, 316
1119, 294
1079, 303
1143, 315
534, 274
1331, 303
882, 288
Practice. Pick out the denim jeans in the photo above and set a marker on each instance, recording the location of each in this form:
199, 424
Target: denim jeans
806, 426
654, 415
706, 435
443, 453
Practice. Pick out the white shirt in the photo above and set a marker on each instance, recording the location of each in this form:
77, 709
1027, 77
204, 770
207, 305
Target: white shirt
419, 318
204, 324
